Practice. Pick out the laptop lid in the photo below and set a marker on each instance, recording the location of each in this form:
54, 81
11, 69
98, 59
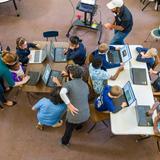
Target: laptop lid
46, 74
90, 2
125, 54
128, 93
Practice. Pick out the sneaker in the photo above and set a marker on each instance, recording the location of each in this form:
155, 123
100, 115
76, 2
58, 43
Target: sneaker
40, 127
58, 124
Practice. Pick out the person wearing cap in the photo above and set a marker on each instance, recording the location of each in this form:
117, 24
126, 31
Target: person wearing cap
149, 56
122, 24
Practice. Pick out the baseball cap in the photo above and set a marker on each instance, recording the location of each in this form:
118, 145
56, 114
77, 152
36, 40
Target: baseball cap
115, 3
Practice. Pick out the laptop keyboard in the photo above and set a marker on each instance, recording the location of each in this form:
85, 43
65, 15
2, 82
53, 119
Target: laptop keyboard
34, 77
36, 56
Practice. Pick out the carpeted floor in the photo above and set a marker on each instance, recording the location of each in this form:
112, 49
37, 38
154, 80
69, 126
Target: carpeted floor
19, 138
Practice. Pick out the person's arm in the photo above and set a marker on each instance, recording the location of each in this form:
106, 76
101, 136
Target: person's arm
155, 125
55, 80
38, 104
23, 58
114, 77
72, 54
33, 45
64, 97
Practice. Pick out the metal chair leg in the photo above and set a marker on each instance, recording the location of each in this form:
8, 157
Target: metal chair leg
105, 123
145, 6
158, 145
15, 6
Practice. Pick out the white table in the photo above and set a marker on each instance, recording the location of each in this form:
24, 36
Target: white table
124, 122
14, 3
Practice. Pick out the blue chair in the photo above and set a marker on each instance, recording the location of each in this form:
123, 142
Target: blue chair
50, 34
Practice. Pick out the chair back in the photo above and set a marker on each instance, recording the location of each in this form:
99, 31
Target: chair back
50, 34
97, 116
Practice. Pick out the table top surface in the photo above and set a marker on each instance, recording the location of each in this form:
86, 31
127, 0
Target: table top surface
41, 87
124, 122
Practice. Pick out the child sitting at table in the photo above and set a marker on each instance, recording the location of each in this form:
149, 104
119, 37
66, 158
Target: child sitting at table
149, 56
22, 50
105, 101
76, 51
50, 111
156, 124
102, 51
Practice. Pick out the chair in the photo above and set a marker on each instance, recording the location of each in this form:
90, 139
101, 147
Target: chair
96, 117
50, 34
150, 1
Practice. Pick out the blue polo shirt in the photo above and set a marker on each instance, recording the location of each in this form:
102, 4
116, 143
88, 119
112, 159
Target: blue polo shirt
124, 19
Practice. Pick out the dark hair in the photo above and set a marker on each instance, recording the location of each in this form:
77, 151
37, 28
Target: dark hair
97, 62
19, 42
55, 97
75, 40
75, 70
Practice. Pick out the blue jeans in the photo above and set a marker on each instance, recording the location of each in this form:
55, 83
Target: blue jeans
118, 38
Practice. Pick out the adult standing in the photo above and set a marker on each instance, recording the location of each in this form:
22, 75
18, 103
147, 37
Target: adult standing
122, 24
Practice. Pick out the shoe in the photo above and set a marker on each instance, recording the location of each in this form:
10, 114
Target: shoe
40, 127
10, 103
1, 108
58, 124
66, 146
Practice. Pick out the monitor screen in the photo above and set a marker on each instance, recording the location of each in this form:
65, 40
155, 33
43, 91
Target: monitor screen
129, 94
125, 53
46, 73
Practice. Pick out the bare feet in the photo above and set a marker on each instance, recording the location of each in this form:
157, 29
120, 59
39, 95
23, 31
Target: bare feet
9, 103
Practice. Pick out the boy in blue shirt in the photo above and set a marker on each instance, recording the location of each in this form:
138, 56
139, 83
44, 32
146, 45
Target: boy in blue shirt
105, 101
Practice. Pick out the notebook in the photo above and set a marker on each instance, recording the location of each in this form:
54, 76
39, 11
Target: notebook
38, 56
49, 74
57, 53
119, 56
138, 75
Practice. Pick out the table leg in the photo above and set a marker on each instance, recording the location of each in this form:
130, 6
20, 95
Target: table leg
15, 6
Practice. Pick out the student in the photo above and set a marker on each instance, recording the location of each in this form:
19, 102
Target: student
50, 111
122, 24
17, 71
156, 125
76, 51
149, 56
22, 49
99, 76
102, 51
7, 59
105, 101
75, 95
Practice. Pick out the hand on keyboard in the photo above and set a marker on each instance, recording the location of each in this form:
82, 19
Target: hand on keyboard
55, 80
26, 78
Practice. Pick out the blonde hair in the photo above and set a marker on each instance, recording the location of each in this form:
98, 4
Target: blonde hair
19, 42
103, 47
116, 91
9, 57
152, 52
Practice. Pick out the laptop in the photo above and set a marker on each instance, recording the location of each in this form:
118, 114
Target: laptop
87, 5
57, 53
128, 95
141, 115
138, 75
49, 74
119, 56
34, 77
38, 56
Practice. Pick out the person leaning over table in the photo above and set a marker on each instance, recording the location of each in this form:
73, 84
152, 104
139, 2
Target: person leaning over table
122, 24
8, 59
99, 76
105, 101
76, 51
102, 51
23, 50
50, 110
75, 93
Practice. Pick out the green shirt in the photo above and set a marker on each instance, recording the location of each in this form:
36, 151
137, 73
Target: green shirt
6, 74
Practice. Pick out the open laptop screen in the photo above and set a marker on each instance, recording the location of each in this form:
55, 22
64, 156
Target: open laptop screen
129, 94
125, 53
90, 2
46, 73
